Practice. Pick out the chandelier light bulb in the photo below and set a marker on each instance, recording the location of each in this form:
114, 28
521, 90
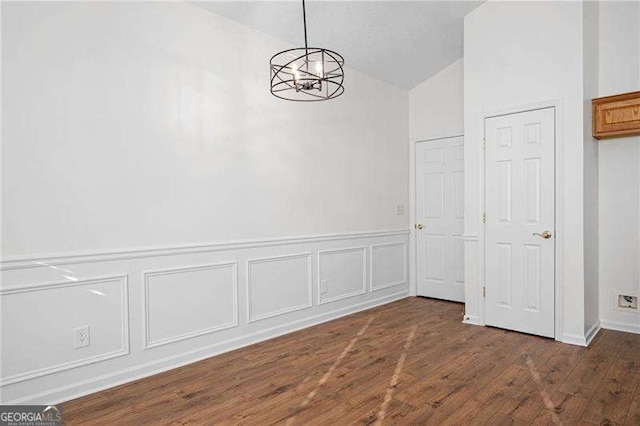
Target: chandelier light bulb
296, 73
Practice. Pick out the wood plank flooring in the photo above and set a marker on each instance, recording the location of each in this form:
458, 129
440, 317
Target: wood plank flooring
409, 362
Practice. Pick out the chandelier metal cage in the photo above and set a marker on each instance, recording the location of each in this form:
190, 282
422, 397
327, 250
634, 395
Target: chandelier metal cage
307, 74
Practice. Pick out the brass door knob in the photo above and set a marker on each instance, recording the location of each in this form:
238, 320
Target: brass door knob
545, 234
419, 226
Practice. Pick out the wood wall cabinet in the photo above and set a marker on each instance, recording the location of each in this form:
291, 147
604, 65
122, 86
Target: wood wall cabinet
616, 116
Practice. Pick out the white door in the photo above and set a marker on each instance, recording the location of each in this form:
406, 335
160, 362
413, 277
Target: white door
440, 215
520, 222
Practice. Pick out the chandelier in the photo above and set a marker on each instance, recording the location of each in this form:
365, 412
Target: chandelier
307, 74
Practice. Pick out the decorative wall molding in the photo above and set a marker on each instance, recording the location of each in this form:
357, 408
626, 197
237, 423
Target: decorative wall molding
148, 343
470, 237
140, 371
21, 262
308, 304
372, 249
191, 341
122, 280
363, 290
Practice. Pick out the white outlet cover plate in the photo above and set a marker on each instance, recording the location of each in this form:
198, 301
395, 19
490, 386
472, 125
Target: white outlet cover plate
629, 302
623, 306
81, 337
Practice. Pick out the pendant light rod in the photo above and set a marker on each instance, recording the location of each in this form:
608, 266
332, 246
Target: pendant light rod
304, 19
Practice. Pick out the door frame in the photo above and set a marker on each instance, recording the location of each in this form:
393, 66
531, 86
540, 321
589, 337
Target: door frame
413, 241
559, 223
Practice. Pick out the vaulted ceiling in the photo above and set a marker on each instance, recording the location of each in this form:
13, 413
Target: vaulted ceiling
400, 42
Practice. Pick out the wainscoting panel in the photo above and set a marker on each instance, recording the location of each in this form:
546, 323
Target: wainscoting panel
155, 309
341, 274
388, 265
38, 325
278, 285
186, 302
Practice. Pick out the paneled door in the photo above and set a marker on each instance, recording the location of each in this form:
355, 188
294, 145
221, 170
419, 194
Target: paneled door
520, 222
440, 218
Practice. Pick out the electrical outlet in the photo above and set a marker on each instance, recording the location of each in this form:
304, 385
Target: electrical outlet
323, 286
627, 302
81, 337
400, 210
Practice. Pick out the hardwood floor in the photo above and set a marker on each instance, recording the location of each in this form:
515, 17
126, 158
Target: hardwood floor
409, 362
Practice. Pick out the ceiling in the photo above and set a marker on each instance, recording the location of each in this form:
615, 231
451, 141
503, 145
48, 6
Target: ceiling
400, 42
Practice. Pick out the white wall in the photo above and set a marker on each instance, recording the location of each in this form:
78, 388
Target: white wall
436, 105
138, 125
591, 146
130, 125
518, 54
619, 167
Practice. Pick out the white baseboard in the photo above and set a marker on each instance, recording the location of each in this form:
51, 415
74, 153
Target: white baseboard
580, 340
574, 339
592, 332
76, 390
621, 326
470, 319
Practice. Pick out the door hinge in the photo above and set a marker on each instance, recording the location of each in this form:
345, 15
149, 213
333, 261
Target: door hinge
484, 217
484, 144
484, 292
